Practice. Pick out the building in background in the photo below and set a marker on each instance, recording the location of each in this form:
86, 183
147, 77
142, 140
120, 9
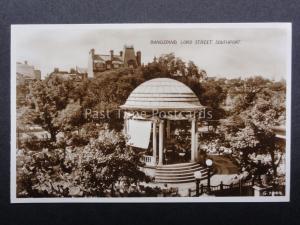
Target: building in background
77, 74
26, 73
98, 63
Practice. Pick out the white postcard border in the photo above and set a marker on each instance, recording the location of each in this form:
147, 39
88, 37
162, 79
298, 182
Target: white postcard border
286, 198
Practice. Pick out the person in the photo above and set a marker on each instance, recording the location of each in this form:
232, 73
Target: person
165, 156
235, 180
165, 190
121, 191
65, 192
182, 154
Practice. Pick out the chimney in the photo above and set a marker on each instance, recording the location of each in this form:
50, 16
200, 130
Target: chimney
92, 52
72, 70
121, 53
111, 55
25, 62
138, 58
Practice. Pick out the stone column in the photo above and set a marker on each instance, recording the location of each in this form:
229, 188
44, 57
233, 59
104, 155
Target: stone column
196, 140
154, 141
161, 142
168, 129
193, 138
125, 125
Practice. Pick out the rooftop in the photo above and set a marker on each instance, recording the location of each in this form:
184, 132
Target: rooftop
105, 58
162, 94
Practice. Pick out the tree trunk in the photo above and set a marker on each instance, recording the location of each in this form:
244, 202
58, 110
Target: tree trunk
53, 135
112, 190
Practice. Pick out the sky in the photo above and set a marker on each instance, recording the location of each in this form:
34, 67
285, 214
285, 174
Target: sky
260, 51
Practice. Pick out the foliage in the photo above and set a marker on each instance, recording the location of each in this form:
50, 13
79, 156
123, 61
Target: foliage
80, 171
259, 139
22, 91
51, 97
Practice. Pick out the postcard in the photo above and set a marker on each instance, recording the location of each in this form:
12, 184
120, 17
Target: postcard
150, 113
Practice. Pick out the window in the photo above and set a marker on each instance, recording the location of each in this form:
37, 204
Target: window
99, 65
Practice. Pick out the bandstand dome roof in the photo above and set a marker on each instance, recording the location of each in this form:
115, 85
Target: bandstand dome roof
162, 94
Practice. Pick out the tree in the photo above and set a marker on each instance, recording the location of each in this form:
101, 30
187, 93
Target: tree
196, 73
70, 117
89, 170
22, 91
248, 92
212, 95
260, 106
55, 105
264, 118
108, 161
257, 137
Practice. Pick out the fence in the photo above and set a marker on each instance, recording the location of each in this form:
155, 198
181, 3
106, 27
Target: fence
148, 160
242, 188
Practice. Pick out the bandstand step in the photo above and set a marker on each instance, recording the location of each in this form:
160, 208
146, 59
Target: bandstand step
178, 165
174, 167
174, 181
182, 170
186, 174
178, 173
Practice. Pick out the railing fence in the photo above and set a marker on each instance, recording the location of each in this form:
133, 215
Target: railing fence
242, 188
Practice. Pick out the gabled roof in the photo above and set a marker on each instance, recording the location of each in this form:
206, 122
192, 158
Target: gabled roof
98, 58
105, 58
118, 58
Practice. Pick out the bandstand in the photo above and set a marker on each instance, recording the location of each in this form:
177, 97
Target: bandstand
152, 112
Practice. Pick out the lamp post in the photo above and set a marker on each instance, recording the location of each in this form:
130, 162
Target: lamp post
259, 167
241, 158
275, 186
208, 163
240, 183
197, 175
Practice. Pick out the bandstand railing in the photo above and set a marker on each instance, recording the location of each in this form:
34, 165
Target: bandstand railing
148, 160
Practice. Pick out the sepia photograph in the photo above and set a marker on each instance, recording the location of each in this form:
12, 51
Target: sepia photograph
150, 112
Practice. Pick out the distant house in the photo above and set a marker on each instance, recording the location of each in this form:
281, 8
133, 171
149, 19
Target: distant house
211, 78
100, 62
77, 74
26, 73
32, 132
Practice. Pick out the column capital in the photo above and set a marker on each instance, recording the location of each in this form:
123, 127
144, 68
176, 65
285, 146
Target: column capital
127, 115
155, 120
161, 121
193, 119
